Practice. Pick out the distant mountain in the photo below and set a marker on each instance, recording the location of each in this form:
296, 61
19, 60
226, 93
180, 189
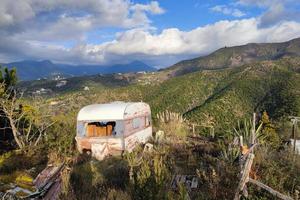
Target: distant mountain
229, 57
31, 70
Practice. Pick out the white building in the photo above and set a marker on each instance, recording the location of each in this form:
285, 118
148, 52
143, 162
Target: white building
61, 83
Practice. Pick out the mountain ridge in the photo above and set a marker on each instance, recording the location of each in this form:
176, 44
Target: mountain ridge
32, 70
235, 56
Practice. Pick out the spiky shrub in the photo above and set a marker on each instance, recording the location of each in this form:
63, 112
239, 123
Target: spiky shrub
277, 169
244, 129
229, 152
172, 123
159, 169
133, 159
143, 173
94, 179
265, 132
150, 175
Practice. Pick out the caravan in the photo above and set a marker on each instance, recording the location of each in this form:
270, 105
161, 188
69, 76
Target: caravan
110, 129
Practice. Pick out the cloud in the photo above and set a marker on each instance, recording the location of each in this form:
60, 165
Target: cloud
273, 15
199, 41
54, 17
152, 7
39, 29
276, 11
261, 3
228, 11
159, 49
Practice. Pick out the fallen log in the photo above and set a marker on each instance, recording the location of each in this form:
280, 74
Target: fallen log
269, 189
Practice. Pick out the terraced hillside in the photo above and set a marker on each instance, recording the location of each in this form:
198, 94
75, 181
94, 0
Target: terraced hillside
210, 97
270, 86
221, 97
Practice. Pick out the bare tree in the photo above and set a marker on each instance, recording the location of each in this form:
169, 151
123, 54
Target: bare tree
26, 128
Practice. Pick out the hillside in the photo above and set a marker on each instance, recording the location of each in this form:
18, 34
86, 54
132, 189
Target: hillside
32, 70
265, 86
221, 97
229, 57
209, 97
217, 100
149, 100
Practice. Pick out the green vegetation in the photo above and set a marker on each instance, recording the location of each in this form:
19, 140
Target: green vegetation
220, 102
229, 57
8, 77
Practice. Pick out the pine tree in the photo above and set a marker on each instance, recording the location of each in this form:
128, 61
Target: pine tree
8, 78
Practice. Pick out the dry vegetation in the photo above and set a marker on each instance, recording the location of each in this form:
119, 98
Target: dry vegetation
220, 102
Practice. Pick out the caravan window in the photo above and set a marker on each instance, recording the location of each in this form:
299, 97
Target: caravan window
80, 128
147, 121
136, 123
100, 129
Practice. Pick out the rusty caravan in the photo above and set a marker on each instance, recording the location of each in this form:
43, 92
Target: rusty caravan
112, 128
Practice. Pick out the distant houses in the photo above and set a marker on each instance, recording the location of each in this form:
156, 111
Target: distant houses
61, 83
57, 77
141, 72
42, 91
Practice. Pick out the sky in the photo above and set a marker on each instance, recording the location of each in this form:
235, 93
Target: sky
159, 33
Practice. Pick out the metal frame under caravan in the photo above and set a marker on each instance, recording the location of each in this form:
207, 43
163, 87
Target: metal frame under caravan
110, 129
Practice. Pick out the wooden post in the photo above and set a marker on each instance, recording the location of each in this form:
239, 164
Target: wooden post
212, 132
194, 130
241, 153
269, 189
241, 141
294, 133
245, 176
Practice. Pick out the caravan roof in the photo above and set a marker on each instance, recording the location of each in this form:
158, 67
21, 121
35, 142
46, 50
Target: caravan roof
117, 110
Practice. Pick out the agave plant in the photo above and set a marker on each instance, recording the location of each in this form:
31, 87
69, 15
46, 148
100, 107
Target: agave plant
245, 130
229, 152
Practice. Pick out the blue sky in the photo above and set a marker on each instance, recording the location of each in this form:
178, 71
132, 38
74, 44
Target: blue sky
184, 16
159, 33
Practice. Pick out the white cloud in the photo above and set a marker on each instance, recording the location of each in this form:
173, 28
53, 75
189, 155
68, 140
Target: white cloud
11, 14
199, 41
164, 48
276, 11
261, 3
228, 11
153, 7
59, 16
37, 38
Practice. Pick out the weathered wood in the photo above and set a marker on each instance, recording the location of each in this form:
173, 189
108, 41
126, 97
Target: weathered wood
294, 133
269, 189
294, 120
48, 178
241, 141
294, 136
193, 129
212, 132
245, 176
